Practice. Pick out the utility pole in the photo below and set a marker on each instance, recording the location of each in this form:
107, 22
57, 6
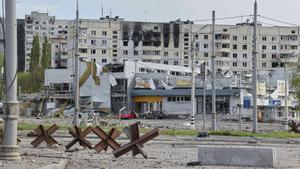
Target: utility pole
254, 75
9, 148
213, 66
204, 97
76, 77
193, 99
240, 106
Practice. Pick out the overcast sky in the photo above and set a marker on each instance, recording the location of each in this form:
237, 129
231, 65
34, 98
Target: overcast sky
165, 10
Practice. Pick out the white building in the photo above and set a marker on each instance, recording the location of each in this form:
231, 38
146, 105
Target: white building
45, 26
234, 46
99, 40
59, 44
113, 40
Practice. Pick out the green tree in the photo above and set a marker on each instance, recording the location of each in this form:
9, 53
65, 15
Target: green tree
296, 82
32, 81
1, 78
35, 54
46, 56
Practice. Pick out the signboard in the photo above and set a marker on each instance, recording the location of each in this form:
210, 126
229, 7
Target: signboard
183, 83
281, 88
275, 102
261, 89
247, 102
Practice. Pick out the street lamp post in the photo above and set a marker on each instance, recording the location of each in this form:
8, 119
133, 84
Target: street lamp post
9, 147
193, 88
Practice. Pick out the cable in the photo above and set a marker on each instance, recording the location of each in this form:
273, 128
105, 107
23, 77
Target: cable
224, 18
270, 24
3, 32
287, 23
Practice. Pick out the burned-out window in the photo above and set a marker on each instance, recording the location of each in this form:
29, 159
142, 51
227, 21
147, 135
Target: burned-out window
136, 43
176, 45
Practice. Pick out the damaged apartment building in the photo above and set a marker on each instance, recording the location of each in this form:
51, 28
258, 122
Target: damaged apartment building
114, 40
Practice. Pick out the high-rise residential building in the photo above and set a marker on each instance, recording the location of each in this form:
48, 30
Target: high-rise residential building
36, 24
113, 40
99, 40
43, 25
234, 46
59, 44
20, 44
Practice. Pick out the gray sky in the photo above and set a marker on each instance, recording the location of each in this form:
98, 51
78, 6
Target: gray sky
165, 10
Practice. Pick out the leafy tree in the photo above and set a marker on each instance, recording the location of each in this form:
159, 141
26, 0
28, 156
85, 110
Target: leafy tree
1, 78
31, 82
296, 82
35, 54
46, 56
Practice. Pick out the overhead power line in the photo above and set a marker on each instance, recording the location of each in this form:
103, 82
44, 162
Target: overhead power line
279, 21
223, 18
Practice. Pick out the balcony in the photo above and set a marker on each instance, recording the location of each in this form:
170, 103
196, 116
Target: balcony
223, 37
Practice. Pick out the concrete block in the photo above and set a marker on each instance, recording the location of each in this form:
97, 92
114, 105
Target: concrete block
245, 156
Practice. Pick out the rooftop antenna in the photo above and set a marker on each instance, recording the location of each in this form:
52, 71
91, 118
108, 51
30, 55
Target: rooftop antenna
145, 13
110, 13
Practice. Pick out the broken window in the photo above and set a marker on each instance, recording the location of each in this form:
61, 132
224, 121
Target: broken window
93, 42
93, 51
136, 43
93, 32
176, 45
81, 50
205, 37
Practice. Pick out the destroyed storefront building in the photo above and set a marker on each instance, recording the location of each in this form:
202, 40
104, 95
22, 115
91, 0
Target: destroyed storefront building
141, 87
